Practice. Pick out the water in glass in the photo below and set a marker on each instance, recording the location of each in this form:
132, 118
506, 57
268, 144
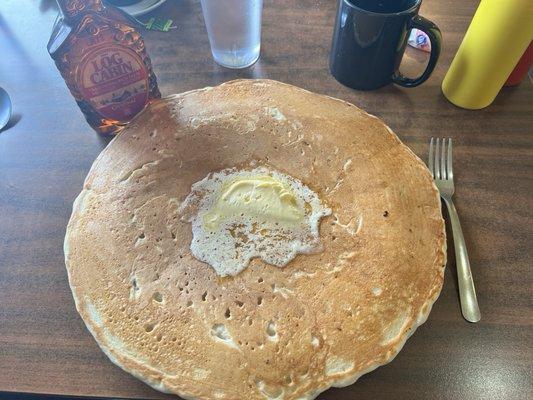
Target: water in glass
234, 30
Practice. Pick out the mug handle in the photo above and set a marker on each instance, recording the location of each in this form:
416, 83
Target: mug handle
435, 37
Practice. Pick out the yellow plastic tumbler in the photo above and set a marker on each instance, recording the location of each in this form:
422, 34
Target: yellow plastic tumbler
499, 34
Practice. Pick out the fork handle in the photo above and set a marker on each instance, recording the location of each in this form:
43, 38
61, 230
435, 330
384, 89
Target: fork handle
467, 291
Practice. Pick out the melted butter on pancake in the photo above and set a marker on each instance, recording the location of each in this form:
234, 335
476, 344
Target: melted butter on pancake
240, 215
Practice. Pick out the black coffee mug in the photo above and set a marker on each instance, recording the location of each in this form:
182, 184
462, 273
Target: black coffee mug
369, 41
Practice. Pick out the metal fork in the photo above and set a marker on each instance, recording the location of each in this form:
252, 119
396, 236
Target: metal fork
440, 165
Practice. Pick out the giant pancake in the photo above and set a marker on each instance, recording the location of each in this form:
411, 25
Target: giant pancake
254, 241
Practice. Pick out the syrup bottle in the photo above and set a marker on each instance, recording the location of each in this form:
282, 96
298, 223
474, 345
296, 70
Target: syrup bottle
103, 60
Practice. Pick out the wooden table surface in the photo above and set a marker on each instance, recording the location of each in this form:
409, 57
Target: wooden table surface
44, 157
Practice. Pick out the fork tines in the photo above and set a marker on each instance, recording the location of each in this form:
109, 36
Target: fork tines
439, 163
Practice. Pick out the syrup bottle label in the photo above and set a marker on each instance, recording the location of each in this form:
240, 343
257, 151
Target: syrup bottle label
114, 81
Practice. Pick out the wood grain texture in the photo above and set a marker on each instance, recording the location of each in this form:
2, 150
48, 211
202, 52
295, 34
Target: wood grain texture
44, 157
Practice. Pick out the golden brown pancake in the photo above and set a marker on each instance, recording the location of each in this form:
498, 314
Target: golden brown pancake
268, 332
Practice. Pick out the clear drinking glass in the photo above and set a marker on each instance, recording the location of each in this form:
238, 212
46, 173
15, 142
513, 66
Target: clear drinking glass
234, 30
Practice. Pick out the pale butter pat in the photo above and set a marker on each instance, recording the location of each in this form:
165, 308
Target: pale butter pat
261, 197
